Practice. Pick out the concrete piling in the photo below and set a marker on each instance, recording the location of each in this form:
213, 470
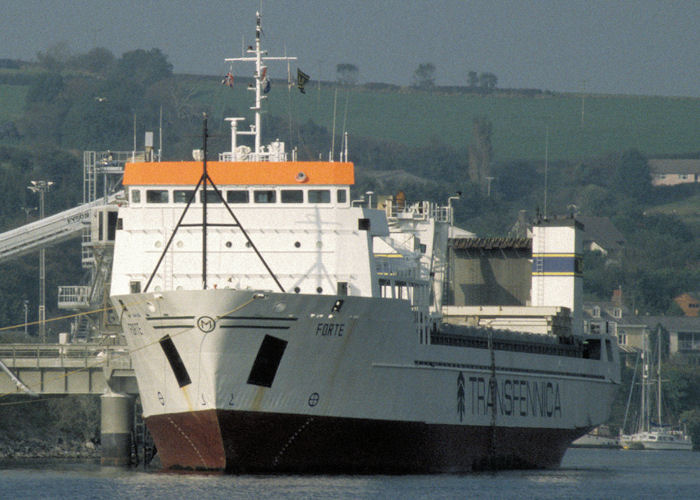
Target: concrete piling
116, 426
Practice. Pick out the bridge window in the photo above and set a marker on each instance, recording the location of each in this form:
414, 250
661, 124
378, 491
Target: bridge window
319, 195
342, 195
292, 196
156, 196
264, 196
135, 286
212, 196
111, 225
135, 196
591, 349
182, 195
237, 196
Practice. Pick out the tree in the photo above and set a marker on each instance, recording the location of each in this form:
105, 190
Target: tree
516, 179
472, 79
347, 74
144, 67
424, 76
45, 89
595, 200
632, 176
98, 61
55, 57
487, 81
480, 151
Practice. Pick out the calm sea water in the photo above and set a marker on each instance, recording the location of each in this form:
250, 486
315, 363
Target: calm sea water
585, 473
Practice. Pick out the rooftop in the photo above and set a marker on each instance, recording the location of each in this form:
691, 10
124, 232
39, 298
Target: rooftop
682, 166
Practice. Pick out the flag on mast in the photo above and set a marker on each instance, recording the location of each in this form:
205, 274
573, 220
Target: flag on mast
265, 80
228, 80
302, 78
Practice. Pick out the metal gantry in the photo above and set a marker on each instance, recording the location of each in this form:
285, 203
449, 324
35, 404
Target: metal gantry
102, 188
41, 187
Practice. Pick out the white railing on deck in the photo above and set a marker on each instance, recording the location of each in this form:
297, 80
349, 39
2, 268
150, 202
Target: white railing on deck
274, 152
422, 210
73, 296
396, 268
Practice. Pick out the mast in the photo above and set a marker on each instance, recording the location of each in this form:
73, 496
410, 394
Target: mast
258, 81
259, 57
658, 374
645, 384
205, 177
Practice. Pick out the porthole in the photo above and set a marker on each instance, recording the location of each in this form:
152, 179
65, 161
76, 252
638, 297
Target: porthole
297, 289
319, 244
179, 244
297, 244
247, 244
158, 244
319, 290
228, 244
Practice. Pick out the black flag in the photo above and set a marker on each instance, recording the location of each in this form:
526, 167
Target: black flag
302, 78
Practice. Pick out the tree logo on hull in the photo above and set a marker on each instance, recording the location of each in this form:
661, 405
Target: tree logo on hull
460, 396
206, 324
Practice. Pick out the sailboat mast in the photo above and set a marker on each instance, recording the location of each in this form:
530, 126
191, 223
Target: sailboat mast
658, 374
645, 383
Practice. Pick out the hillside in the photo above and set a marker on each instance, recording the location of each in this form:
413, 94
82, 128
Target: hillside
656, 126
400, 139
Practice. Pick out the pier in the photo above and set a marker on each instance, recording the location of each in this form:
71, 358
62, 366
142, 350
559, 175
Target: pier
69, 369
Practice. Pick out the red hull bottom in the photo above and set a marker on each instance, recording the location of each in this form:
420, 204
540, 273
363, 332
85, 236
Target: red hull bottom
252, 442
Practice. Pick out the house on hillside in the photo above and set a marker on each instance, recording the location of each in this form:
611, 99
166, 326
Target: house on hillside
683, 335
600, 235
689, 303
614, 318
601, 317
673, 172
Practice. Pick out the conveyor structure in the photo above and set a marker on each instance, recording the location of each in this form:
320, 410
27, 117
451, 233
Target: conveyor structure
49, 230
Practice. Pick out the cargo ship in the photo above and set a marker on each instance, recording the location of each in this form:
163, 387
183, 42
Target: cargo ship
277, 325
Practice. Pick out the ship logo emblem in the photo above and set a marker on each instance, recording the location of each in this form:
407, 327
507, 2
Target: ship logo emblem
313, 399
460, 396
206, 324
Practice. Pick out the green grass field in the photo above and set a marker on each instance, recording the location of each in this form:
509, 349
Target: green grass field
12, 101
687, 209
653, 125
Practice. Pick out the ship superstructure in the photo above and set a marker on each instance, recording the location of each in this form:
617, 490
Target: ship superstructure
275, 324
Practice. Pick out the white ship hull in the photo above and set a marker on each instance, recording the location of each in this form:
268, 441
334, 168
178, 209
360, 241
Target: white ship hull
655, 440
290, 382
594, 441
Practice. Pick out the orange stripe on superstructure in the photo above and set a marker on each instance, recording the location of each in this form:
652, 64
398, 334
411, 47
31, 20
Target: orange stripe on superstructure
241, 173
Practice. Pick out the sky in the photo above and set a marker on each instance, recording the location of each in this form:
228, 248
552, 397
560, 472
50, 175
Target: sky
639, 47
